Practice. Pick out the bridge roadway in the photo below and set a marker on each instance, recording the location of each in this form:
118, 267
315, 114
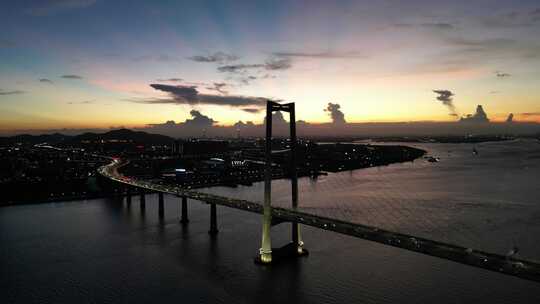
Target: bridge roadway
524, 269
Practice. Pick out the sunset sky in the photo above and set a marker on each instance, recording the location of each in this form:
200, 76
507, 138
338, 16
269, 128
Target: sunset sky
90, 64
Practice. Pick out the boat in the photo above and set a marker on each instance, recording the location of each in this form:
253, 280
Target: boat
432, 159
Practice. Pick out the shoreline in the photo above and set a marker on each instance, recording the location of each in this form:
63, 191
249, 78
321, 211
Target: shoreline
419, 153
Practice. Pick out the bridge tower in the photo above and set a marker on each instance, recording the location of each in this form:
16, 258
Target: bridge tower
265, 252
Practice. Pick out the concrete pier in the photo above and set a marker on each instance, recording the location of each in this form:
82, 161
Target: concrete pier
213, 220
161, 207
128, 197
143, 201
184, 219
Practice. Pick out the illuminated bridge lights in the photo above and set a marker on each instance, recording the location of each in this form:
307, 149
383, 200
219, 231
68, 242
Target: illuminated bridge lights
507, 265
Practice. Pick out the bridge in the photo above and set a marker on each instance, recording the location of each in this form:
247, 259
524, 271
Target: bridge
504, 264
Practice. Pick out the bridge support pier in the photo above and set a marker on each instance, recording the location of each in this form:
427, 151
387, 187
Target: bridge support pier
161, 207
297, 242
143, 201
128, 197
184, 219
265, 252
213, 220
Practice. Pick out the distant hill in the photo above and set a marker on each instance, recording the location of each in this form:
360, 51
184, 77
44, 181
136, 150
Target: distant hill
124, 134
35, 139
121, 135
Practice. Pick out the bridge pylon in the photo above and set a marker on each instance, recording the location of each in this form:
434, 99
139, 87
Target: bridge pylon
296, 247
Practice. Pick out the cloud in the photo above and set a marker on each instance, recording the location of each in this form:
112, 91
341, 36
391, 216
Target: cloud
170, 80
277, 64
45, 80
335, 113
238, 68
218, 57
185, 93
445, 96
71, 76
321, 55
50, 7
271, 64
197, 125
501, 74
246, 80
198, 119
438, 26
426, 25
218, 87
252, 110
15, 92
479, 116
191, 96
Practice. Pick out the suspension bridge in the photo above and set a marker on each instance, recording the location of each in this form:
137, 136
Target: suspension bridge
273, 215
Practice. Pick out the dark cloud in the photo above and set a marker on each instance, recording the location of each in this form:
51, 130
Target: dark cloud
71, 76
238, 68
218, 57
45, 80
479, 116
241, 124
15, 92
198, 125
502, 74
277, 64
246, 80
252, 110
322, 55
50, 7
191, 96
184, 93
271, 64
510, 118
198, 119
170, 80
335, 113
445, 96
426, 25
218, 87
438, 26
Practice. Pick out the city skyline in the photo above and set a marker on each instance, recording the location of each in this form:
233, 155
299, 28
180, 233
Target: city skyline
83, 64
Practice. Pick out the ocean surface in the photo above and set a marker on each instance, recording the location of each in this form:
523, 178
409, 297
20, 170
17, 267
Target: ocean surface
102, 251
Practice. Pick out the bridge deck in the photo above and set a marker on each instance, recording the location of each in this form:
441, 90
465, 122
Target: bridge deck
529, 270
